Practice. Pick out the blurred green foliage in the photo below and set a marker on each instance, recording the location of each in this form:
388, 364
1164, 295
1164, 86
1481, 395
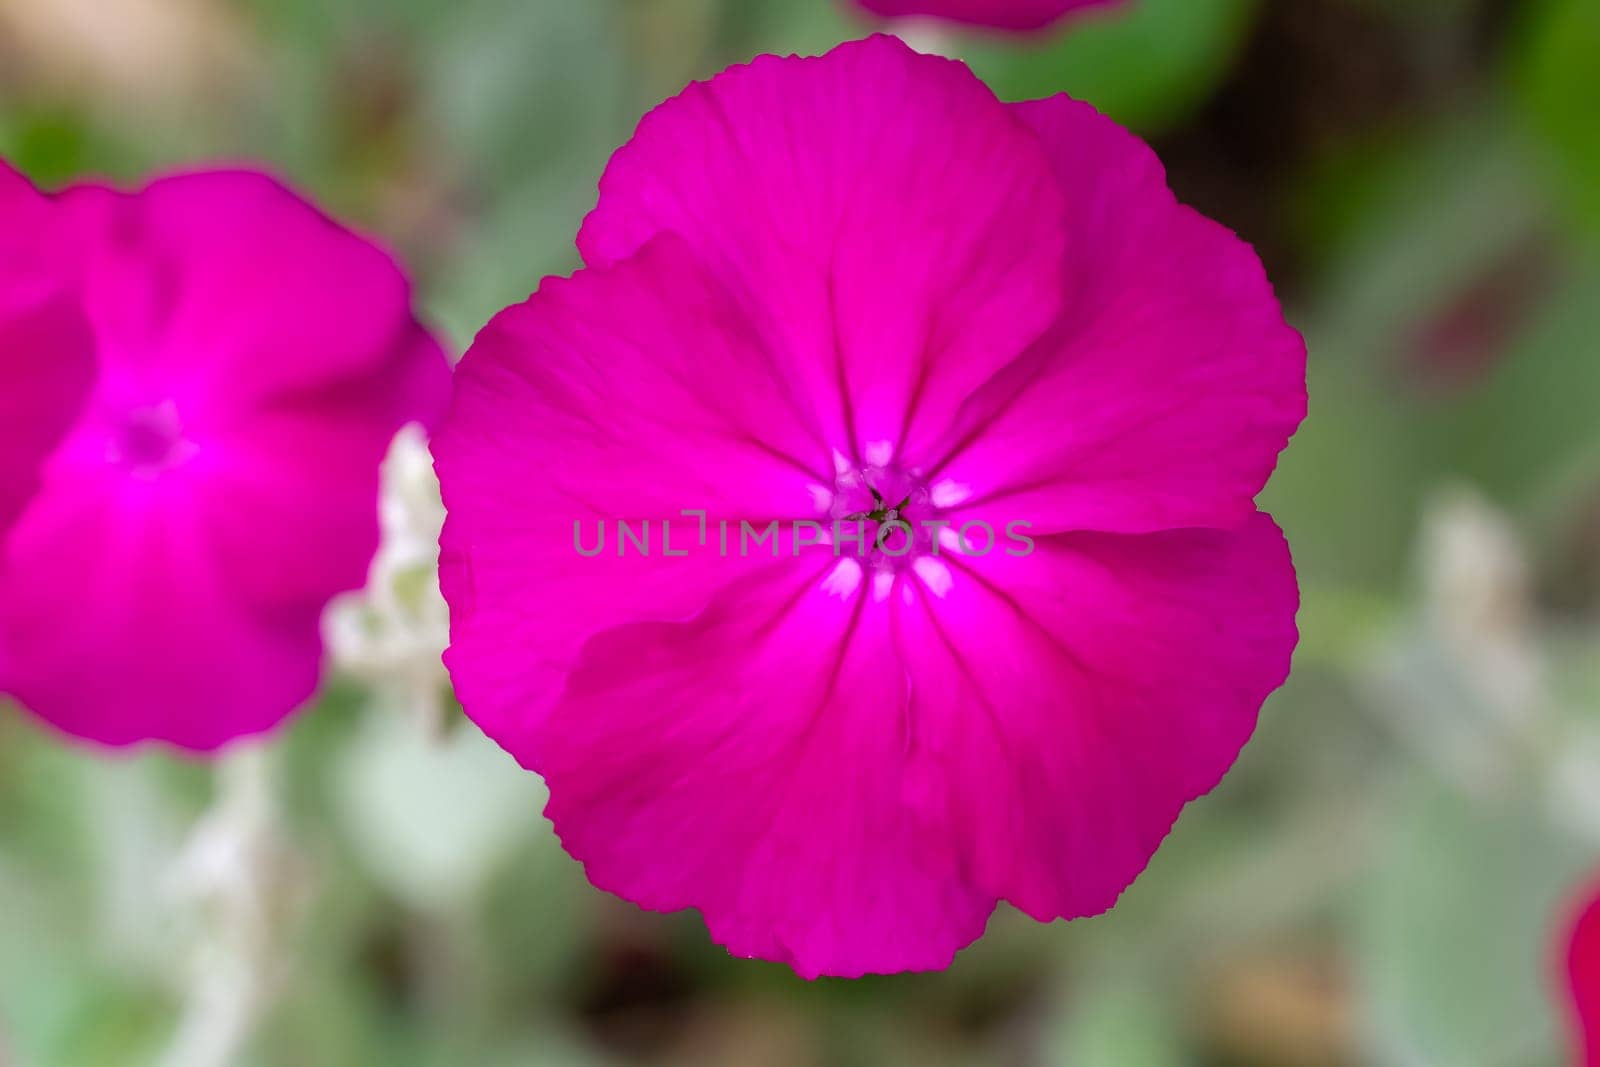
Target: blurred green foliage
1560, 87
1145, 66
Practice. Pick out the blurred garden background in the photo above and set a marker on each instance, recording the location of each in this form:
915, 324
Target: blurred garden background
1381, 880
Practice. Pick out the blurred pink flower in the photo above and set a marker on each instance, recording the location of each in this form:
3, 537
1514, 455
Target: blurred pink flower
997, 14
1582, 978
39, 397
219, 484
821, 289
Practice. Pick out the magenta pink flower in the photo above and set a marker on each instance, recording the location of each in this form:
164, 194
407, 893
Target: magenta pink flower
219, 483
831, 289
997, 14
1581, 978
46, 352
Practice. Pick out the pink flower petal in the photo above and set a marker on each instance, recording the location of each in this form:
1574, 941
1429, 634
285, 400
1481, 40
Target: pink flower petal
228, 286
895, 233
220, 484
1582, 980
998, 14
630, 393
751, 763
1071, 701
116, 624
884, 797
1165, 393
46, 351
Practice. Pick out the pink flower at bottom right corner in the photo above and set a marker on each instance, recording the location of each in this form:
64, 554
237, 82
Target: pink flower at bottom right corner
1578, 977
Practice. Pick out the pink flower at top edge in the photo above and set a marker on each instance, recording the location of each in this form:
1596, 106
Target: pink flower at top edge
1580, 974
1019, 15
218, 483
858, 289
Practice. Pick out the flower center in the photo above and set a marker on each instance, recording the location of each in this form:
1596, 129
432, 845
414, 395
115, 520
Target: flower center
149, 440
887, 526
885, 510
